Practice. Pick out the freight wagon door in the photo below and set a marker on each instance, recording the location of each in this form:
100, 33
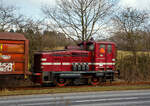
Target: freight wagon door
12, 57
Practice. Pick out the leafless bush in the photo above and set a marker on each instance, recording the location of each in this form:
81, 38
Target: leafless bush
131, 72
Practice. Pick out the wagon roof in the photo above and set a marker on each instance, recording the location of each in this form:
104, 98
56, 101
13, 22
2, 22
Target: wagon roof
11, 36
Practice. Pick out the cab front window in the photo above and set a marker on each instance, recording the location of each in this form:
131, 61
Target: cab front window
102, 48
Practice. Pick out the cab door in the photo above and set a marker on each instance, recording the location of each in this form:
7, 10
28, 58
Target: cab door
110, 57
100, 58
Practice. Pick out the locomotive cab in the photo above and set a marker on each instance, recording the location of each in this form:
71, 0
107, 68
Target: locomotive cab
105, 56
102, 55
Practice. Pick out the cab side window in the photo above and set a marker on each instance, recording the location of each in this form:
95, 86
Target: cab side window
109, 49
90, 47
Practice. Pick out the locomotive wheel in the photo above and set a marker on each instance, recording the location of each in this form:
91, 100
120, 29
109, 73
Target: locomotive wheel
94, 81
61, 82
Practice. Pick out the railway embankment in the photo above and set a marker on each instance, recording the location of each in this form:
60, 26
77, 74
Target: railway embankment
36, 89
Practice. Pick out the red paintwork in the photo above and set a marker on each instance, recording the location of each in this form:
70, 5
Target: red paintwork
67, 58
105, 57
62, 60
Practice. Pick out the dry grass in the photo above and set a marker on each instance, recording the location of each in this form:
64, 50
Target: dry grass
7, 92
121, 54
133, 68
58, 48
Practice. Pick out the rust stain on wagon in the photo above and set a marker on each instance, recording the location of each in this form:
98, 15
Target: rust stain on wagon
13, 54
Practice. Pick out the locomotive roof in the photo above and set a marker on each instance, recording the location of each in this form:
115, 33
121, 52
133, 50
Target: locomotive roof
106, 42
72, 50
103, 42
11, 36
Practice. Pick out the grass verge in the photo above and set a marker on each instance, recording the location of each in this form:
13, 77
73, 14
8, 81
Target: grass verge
7, 92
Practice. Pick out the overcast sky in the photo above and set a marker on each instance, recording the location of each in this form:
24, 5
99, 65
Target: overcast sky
31, 8
140, 4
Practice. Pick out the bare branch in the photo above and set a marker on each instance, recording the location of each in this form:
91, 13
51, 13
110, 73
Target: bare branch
77, 18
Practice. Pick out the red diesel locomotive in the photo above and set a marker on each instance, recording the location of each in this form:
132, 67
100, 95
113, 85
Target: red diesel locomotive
91, 62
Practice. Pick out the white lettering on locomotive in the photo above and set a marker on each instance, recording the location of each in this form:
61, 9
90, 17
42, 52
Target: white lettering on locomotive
6, 67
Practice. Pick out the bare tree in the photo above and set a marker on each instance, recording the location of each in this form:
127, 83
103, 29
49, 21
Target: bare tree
129, 24
146, 38
79, 19
8, 17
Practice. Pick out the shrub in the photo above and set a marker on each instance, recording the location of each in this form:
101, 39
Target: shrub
131, 71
